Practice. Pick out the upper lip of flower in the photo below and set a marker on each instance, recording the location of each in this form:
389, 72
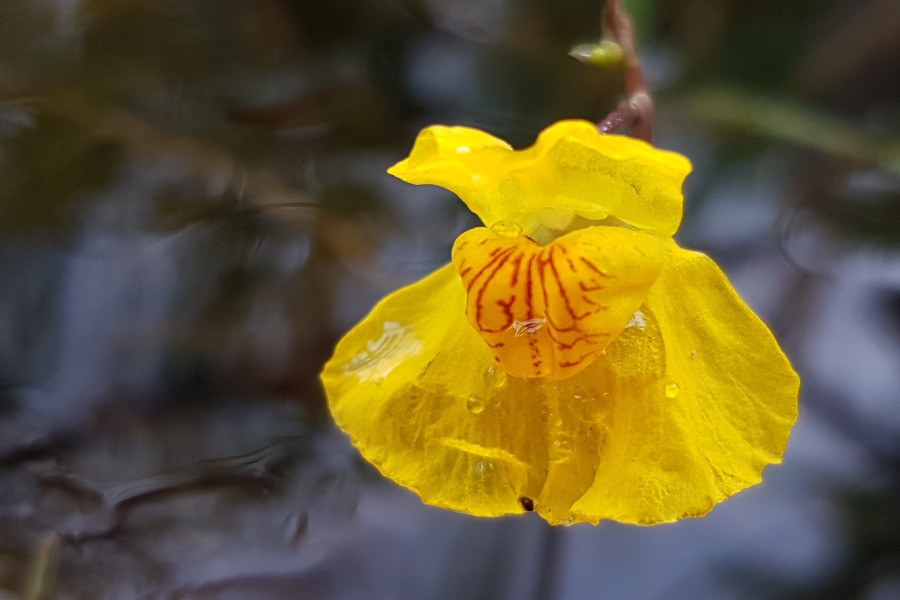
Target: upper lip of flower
572, 171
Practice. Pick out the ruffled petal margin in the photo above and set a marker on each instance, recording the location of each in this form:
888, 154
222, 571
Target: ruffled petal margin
697, 398
571, 171
411, 385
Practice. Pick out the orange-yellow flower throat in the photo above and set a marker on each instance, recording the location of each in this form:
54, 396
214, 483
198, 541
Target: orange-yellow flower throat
546, 312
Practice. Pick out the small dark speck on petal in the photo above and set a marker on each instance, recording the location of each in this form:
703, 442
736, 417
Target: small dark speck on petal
527, 503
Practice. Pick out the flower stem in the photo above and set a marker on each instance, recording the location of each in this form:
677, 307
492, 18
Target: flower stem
635, 112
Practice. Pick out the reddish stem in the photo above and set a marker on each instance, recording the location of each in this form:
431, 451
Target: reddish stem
635, 112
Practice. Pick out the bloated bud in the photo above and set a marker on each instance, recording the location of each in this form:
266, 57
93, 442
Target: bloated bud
604, 55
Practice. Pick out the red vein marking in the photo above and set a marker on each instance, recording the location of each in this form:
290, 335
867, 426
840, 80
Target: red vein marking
563, 293
501, 257
578, 361
590, 288
568, 260
590, 265
590, 301
479, 298
560, 328
541, 265
585, 337
507, 310
535, 354
515, 275
529, 289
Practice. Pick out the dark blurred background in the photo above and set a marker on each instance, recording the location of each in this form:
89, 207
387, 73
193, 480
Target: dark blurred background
193, 209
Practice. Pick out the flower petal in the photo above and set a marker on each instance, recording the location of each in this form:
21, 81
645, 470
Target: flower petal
571, 171
412, 386
682, 411
548, 311
685, 408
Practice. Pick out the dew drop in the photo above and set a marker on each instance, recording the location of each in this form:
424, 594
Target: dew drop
507, 229
485, 470
494, 377
561, 449
563, 445
384, 354
577, 398
475, 404
501, 380
672, 390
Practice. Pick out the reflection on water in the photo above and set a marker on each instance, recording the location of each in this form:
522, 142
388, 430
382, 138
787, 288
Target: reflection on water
193, 208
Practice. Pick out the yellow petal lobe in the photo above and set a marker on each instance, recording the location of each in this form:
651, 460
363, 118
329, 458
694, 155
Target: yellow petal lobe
548, 311
684, 408
571, 171
680, 412
418, 393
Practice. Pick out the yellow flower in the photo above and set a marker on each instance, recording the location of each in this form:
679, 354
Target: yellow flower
572, 359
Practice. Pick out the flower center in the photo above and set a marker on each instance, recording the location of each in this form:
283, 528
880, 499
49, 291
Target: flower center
548, 311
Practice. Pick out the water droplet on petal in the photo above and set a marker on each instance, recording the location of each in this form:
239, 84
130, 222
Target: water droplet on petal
383, 355
507, 229
672, 390
560, 449
577, 398
475, 404
463, 149
494, 377
485, 470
